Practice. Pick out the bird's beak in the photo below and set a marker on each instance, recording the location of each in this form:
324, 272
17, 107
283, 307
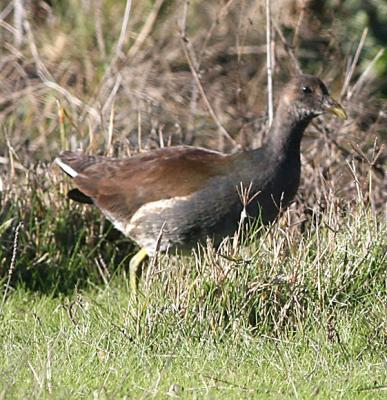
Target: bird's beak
332, 106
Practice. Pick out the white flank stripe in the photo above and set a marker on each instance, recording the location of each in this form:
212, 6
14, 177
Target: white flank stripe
66, 168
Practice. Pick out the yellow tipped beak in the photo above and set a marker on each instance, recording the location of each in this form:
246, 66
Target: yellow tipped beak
338, 111
333, 107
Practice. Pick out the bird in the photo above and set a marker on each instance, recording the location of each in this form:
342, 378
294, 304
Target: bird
176, 197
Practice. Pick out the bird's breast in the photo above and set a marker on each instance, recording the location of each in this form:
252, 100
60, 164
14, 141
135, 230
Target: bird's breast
273, 188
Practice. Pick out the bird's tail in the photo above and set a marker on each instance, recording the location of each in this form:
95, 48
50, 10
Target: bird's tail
73, 163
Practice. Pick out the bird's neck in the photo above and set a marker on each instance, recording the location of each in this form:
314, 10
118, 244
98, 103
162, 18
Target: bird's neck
285, 135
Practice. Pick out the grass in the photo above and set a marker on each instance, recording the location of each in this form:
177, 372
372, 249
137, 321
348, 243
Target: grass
292, 310
285, 314
93, 345
83, 348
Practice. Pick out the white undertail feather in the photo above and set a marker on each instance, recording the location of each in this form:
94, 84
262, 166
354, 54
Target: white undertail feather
66, 168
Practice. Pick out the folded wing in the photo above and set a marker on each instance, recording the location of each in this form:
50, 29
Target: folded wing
121, 186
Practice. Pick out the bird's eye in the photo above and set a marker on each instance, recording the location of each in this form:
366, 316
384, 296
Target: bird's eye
306, 89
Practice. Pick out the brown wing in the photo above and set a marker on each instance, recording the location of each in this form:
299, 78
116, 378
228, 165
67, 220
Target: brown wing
121, 186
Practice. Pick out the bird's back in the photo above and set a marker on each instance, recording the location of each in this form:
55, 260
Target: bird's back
187, 193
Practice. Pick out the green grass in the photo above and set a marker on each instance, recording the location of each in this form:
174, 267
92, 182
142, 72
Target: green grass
87, 347
289, 314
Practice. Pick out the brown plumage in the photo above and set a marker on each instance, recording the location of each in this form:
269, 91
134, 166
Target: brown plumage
144, 178
190, 193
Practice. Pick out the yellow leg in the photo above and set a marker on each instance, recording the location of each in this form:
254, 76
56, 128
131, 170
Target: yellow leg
135, 262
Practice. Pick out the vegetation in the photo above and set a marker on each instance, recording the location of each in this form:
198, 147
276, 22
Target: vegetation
293, 310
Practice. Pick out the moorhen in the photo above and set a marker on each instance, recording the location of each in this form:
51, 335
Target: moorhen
175, 197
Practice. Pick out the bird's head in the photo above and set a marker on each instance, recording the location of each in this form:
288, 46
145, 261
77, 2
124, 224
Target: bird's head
306, 97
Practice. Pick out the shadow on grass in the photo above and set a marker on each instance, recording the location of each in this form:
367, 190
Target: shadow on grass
61, 250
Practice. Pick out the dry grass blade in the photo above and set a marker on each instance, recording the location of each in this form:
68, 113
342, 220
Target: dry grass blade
269, 63
12, 265
192, 61
146, 29
288, 49
355, 60
363, 77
